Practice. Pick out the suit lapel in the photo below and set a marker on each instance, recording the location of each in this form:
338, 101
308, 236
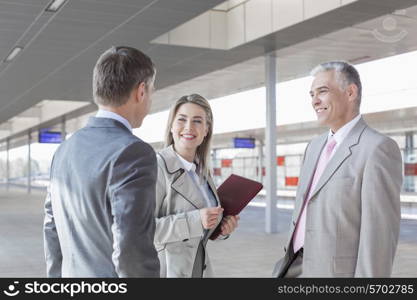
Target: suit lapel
309, 166
341, 154
311, 161
183, 183
214, 189
185, 186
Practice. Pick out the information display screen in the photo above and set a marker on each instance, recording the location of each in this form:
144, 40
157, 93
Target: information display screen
244, 142
50, 137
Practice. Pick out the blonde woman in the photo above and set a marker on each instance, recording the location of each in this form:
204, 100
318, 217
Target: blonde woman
187, 205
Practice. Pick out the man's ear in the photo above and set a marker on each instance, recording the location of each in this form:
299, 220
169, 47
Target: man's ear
140, 92
352, 91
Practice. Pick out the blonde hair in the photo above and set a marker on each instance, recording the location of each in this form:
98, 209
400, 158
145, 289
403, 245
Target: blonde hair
203, 150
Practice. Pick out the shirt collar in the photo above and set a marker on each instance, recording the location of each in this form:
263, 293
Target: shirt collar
111, 115
189, 166
341, 134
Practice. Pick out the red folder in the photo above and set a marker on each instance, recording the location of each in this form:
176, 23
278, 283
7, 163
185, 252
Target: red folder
235, 193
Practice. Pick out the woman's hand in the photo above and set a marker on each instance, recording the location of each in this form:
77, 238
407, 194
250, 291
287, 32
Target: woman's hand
209, 216
229, 224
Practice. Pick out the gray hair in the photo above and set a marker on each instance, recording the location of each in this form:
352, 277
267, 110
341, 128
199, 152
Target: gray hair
346, 74
117, 72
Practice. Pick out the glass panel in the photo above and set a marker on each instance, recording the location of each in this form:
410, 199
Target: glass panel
410, 171
3, 164
41, 158
18, 155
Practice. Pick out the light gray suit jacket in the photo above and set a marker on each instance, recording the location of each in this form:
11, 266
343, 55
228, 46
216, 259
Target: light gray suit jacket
353, 216
178, 224
99, 209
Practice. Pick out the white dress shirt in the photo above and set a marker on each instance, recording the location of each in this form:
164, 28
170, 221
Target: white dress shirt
209, 198
208, 195
342, 133
111, 115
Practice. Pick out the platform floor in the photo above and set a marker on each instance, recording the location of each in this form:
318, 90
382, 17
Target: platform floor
249, 252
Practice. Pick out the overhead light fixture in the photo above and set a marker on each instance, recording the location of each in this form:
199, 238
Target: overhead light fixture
358, 59
55, 5
16, 50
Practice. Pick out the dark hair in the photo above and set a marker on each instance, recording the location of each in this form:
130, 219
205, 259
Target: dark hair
117, 72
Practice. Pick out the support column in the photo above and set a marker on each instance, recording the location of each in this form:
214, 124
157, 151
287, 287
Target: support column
260, 160
8, 163
409, 144
63, 129
271, 213
29, 163
214, 164
408, 151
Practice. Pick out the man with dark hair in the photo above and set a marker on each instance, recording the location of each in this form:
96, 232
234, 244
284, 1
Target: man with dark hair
99, 208
346, 218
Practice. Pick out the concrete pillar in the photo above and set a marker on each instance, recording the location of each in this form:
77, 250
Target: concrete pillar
214, 164
409, 143
408, 151
260, 159
8, 163
63, 128
271, 213
29, 163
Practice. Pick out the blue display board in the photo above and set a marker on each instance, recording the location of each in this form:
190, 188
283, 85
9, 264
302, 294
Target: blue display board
50, 137
244, 142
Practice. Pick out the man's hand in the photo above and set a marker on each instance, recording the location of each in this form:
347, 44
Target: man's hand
229, 224
209, 216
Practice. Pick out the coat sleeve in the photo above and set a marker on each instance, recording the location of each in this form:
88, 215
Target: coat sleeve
52, 247
380, 211
132, 200
175, 227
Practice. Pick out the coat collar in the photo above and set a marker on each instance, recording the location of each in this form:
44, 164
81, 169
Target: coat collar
106, 123
182, 182
315, 148
184, 185
172, 163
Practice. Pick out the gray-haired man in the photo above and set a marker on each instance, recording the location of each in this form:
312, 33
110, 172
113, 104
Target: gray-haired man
347, 214
99, 209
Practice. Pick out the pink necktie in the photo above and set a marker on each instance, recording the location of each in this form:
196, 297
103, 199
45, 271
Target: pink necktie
324, 159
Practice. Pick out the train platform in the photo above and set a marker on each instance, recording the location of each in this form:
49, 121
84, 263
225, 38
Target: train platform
249, 252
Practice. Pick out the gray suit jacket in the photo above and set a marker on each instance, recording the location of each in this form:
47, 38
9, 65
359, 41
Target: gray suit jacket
353, 216
99, 208
178, 224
